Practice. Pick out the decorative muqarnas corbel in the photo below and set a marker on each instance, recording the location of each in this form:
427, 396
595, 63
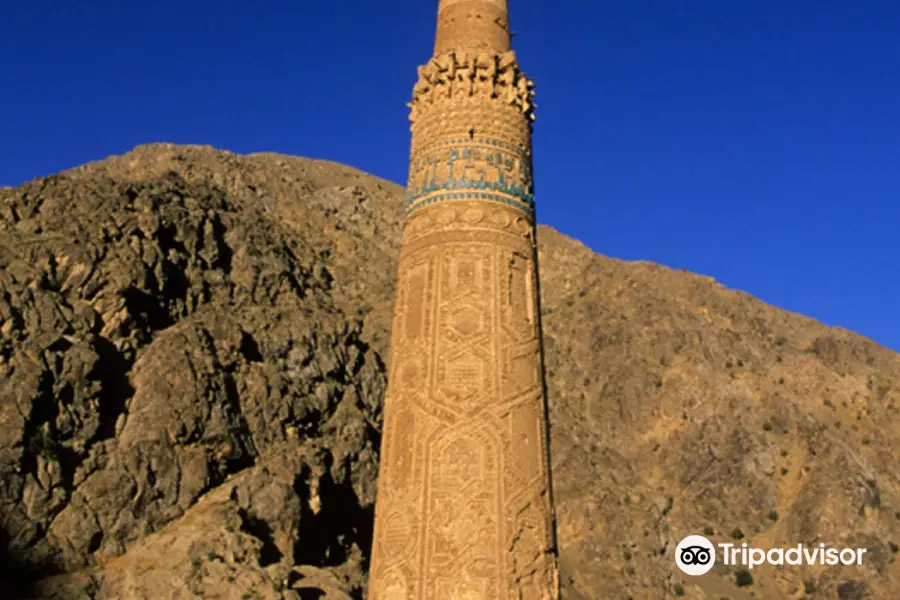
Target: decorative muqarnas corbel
482, 75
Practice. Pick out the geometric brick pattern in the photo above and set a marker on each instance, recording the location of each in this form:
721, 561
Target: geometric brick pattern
464, 507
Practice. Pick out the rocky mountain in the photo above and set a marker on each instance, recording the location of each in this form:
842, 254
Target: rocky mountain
192, 365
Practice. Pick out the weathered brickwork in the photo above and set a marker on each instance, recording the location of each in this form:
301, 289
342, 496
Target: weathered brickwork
464, 506
471, 124
472, 24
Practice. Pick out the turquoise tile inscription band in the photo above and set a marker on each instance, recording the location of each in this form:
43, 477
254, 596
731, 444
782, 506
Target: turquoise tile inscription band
481, 169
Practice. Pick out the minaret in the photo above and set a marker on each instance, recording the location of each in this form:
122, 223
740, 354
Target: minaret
464, 508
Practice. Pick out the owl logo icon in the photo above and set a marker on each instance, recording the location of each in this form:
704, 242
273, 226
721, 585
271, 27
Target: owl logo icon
695, 555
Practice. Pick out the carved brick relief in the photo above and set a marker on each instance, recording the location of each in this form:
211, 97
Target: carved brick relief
525, 438
464, 508
483, 78
415, 293
469, 221
469, 391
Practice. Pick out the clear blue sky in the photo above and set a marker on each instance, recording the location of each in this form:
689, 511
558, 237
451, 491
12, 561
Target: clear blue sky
754, 141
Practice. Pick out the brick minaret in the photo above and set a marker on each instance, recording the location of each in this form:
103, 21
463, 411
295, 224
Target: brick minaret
464, 509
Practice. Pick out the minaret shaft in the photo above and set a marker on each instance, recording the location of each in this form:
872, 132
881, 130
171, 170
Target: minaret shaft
474, 25
464, 508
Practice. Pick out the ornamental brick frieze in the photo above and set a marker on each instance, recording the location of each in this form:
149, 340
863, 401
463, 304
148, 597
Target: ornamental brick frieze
456, 77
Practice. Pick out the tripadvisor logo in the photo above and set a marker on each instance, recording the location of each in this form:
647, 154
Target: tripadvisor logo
696, 555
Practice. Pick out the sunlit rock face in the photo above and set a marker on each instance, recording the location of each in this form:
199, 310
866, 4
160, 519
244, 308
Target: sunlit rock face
193, 356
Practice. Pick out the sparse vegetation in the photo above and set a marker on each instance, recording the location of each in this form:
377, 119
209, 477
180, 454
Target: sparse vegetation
743, 578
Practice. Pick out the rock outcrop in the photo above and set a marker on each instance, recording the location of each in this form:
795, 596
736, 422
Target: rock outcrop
192, 349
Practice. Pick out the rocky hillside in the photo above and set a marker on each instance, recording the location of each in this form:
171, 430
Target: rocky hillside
192, 349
